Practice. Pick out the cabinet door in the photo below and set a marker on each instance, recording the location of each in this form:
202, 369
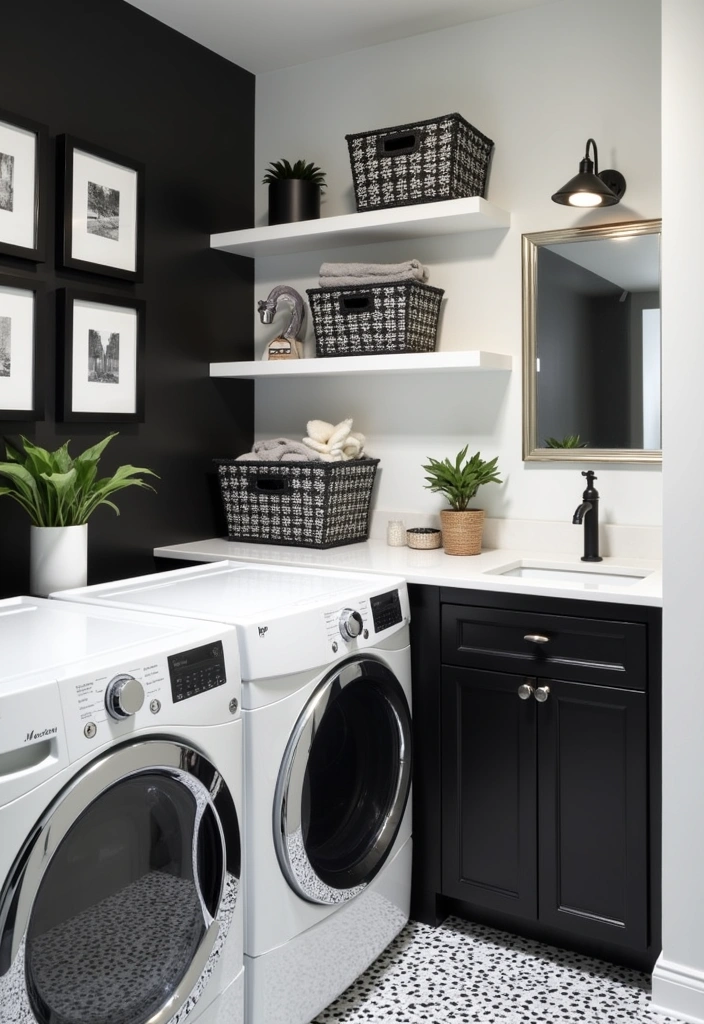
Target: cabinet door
593, 835
489, 791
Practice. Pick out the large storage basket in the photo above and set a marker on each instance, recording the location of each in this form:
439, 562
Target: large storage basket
375, 319
444, 158
305, 504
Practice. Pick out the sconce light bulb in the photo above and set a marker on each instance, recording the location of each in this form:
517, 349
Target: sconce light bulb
585, 199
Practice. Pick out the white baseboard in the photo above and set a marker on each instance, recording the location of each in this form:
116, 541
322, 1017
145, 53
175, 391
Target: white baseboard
678, 991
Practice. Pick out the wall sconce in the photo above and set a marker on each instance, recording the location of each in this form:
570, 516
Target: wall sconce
591, 187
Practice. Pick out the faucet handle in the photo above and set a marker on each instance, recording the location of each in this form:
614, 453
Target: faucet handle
589, 473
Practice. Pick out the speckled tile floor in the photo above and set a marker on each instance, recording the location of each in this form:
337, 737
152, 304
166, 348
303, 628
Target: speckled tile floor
463, 973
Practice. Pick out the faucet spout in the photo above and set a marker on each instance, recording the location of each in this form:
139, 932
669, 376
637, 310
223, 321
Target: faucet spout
581, 511
588, 513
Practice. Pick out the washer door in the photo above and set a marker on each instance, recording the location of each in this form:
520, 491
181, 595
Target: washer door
344, 782
118, 905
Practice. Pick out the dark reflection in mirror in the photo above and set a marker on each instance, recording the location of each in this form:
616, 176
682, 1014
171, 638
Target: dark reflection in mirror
592, 337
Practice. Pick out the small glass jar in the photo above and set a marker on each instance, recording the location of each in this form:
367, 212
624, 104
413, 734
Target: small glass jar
396, 533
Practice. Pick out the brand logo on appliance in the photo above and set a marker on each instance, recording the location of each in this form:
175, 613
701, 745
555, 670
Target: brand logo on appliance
32, 735
263, 630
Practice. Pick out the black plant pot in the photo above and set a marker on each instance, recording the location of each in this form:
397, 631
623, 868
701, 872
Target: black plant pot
292, 199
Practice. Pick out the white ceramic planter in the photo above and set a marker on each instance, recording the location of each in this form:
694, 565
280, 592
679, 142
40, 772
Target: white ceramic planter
58, 558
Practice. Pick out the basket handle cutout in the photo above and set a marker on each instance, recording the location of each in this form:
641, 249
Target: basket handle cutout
356, 303
269, 485
399, 144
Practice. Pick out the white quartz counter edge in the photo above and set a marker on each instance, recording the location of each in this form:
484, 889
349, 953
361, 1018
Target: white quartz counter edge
437, 568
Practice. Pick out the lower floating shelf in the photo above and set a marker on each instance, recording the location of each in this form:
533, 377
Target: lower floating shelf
414, 362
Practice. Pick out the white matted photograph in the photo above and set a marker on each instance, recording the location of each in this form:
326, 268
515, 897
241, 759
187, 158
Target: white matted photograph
103, 211
18, 349
103, 368
22, 160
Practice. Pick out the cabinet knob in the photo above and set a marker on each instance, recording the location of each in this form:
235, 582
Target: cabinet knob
525, 690
542, 694
536, 638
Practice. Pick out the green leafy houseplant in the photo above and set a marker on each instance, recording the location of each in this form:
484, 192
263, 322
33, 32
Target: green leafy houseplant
460, 482
58, 490
569, 441
280, 170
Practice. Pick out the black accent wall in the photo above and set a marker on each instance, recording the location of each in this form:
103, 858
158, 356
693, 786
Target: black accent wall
110, 75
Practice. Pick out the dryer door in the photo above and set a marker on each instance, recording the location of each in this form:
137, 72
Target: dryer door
344, 782
120, 902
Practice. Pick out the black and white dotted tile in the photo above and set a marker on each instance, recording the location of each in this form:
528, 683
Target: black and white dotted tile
466, 973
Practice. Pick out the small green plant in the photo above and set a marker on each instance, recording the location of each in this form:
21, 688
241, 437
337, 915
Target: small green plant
459, 483
279, 170
57, 490
569, 441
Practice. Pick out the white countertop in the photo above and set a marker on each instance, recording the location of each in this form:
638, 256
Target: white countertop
436, 568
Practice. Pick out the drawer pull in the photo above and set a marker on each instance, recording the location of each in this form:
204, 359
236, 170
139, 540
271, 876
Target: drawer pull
542, 694
536, 638
525, 691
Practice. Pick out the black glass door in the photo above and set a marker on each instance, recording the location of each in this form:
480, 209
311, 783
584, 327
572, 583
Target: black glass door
344, 782
126, 907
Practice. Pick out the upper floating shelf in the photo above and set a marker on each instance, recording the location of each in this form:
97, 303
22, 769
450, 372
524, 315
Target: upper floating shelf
401, 363
449, 217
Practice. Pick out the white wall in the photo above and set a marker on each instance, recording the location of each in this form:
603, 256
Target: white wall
539, 83
678, 982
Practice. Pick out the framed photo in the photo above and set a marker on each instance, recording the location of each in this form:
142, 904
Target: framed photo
20, 312
102, 211
23, 185
102, 371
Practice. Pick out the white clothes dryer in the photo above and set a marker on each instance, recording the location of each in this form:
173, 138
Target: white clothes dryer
327, 720
120, 817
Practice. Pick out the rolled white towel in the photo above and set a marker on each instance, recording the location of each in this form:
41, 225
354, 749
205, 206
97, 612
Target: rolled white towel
319, 430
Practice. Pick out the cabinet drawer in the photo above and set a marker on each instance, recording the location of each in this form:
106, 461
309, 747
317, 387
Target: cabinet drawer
611, 653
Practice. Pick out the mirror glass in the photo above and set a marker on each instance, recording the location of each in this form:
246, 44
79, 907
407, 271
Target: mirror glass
591, 344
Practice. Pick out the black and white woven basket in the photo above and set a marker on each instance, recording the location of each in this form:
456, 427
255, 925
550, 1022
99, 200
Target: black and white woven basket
375, 319
304, 504
443, 158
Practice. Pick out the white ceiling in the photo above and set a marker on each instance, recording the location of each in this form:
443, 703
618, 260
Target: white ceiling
264, 35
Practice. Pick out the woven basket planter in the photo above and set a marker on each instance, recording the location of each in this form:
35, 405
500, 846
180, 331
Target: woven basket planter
423, 162
304, 504
462, 531
378, 319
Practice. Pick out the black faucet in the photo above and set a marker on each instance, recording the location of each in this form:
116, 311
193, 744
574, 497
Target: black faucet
588, 512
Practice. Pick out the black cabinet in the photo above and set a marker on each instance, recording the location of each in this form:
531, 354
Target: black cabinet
545, 757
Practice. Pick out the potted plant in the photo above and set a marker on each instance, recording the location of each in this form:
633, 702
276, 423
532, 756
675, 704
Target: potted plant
294, 191
568, 441
459, 481
60, 494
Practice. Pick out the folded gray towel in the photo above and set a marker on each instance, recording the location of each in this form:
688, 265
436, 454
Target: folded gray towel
372, 269
327, 281
279, 449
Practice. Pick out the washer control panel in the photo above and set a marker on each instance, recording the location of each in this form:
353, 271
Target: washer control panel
386, 610
195, 671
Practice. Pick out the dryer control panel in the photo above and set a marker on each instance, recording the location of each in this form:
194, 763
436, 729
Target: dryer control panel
386, 610
193, 672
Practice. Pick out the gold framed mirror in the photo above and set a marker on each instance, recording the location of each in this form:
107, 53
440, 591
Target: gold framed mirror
591, 344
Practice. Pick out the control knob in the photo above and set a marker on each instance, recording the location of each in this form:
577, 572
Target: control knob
124, 696
351, 624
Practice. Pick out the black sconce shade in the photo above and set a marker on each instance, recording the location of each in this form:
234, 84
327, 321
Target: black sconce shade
590, 188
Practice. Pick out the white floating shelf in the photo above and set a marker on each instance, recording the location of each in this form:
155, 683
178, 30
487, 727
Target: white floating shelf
415, 362
452, 216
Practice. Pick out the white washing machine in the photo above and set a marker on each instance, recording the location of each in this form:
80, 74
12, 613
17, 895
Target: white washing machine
120, 816
327, 721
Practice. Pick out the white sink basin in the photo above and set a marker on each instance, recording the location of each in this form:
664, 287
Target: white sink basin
613, 576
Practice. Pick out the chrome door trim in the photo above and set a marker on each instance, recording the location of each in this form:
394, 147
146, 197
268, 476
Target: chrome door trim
155, 756
288, 837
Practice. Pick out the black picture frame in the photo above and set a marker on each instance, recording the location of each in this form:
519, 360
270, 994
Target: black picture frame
74, 345
35, 411
37, 201
79, 249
